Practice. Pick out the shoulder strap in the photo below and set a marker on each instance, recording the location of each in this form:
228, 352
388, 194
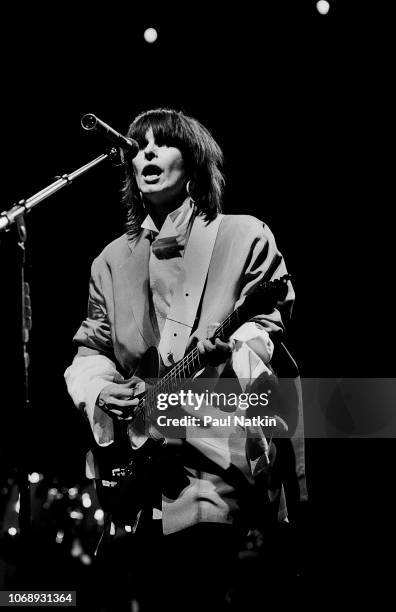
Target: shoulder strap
188, 290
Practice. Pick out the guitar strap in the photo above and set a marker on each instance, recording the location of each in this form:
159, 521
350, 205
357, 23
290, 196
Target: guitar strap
188, 290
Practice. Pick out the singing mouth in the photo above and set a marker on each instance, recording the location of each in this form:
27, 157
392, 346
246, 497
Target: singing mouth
151, 170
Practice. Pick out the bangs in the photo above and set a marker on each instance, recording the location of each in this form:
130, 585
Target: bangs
168, 129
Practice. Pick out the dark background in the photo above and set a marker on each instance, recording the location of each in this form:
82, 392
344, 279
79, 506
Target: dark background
302, 106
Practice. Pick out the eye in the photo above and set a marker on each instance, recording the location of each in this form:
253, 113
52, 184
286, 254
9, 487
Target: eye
162, 141
142, 142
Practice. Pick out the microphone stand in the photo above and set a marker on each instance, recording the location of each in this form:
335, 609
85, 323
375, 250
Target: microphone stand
16, 215
7, 218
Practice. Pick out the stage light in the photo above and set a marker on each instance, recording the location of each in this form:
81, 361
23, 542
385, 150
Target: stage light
34, 477
323, 7
128, 528
59, 536
76, 549
150, 35
85, 559
86, 500
76, 514
99, 515
12, 531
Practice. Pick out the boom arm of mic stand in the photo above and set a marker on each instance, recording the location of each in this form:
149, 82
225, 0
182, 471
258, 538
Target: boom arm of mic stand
7, 218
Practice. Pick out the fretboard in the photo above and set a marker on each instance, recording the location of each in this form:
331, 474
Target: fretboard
191, 363
188, 366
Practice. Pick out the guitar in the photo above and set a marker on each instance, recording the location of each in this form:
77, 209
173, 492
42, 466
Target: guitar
125, 469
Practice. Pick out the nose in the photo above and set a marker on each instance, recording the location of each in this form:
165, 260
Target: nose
149, 155
150, 150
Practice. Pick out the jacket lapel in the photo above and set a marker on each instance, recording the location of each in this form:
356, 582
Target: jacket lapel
135, 282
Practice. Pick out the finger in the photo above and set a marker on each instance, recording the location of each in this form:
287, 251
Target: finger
127, 414
140, 387
132, 403
129, 392
123, 393
212, 328
223, 346
131, 382
208, 346
113, 411
200, 347
121, 415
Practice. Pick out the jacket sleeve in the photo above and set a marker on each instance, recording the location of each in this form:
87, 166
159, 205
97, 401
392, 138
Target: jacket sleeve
266, 263
254, 340
94, 365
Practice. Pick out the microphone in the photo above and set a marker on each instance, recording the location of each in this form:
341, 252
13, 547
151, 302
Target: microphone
91, 122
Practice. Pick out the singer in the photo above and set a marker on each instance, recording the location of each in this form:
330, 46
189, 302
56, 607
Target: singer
179, 270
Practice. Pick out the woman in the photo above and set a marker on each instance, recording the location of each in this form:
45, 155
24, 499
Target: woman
180, 255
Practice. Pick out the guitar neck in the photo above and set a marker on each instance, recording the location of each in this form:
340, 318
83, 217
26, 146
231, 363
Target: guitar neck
192, 362
270, 291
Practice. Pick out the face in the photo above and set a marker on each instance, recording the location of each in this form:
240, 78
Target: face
159, 171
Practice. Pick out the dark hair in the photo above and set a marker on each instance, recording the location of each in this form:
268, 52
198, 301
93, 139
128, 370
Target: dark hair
202, 157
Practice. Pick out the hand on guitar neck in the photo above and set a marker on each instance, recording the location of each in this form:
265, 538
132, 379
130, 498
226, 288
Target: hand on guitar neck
215, 352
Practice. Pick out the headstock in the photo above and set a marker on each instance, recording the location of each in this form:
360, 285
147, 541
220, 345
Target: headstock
267, 294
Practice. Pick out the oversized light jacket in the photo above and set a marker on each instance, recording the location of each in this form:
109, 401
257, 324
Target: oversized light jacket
119, 328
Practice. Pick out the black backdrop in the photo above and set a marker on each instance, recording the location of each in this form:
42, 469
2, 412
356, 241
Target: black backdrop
301, 105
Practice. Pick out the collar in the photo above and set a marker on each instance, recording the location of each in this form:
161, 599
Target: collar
175, 224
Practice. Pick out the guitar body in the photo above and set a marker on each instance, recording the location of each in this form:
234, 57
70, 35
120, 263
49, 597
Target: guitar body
149, 370
129, 467
124, 491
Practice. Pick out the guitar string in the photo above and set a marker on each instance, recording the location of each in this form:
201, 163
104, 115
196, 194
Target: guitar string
169, 381
171, 378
